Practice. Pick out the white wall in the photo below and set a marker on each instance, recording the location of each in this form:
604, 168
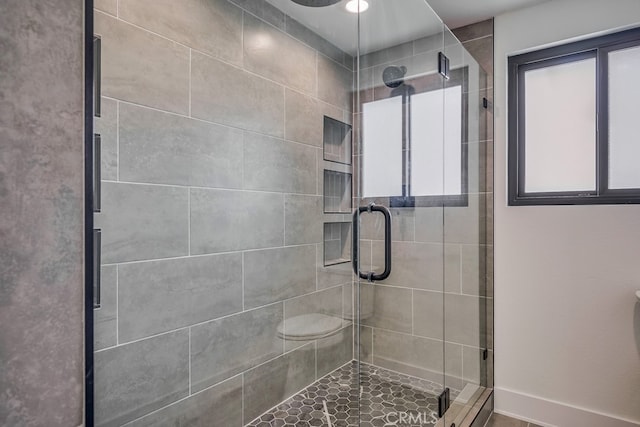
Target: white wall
567, 325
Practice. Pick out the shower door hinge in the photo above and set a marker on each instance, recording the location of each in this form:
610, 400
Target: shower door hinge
443, 402
485, 354
443, 65
485, 103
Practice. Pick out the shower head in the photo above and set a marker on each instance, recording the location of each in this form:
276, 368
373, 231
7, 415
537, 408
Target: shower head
316, 3
393, 76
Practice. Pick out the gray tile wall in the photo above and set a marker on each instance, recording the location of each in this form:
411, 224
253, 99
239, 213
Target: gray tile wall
438, 298
41, 224
212, 213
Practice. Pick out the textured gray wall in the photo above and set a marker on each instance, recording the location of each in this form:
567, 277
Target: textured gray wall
41, 224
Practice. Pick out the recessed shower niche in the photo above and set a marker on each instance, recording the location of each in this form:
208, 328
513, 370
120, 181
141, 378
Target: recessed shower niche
337, 243
336, 138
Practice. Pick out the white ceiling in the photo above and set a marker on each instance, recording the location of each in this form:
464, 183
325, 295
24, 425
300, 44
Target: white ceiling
391, 22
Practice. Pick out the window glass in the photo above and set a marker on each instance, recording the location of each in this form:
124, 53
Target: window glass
382, 148
560, 127
436, 134
624, 126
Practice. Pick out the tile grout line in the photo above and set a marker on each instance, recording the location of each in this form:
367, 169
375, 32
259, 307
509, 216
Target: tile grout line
242, 399
243, 272
117, 305
117, 140
190, 79
178, 257
235, 190
460, 269
189, 360
413, 322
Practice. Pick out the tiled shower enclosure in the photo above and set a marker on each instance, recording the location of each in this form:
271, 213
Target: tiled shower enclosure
231, 155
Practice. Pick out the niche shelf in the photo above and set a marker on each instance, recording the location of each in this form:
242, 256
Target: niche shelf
336, 139
337, 192
337, 243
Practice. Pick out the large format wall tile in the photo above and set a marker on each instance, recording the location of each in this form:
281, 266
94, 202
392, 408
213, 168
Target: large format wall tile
164, 148
138, 378
304, 120
276, 274
142, 222
384, 56
364, 342
224, 94
274, 381
391, 307
421, 357
335, 351
402, 225
466, 224
295, 66
428, 314
335, 83
415, 265
107, 127
219, 406
105, 321
328, 301
462, 319
310, 38
159, 296
474, 269
332, 275
275, 165
211, 26
303, 219
408, 354
472, 364
143, 68
429, 224
223, 220
263, 10
108, 6
225, 347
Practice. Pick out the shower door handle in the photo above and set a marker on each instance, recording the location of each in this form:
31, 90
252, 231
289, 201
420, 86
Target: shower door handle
371, 276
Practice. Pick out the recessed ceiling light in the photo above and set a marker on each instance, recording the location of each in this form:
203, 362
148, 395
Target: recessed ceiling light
355, 6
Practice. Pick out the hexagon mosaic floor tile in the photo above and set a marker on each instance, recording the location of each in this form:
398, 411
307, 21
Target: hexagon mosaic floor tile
378, 397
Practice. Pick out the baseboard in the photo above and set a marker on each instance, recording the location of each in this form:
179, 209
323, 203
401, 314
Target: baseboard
552, 414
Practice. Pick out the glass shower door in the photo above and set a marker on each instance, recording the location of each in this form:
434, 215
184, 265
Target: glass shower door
420, 156
401, 156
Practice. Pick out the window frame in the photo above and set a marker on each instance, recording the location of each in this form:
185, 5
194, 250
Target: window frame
518, 65
427, 83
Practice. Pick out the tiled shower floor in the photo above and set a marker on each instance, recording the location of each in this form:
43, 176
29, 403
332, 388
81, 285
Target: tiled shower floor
384, 396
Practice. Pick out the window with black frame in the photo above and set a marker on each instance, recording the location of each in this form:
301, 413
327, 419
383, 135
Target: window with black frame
574, 123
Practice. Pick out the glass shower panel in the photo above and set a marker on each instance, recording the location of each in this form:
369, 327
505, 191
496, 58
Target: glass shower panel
227, 172
465, 234
400, 102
